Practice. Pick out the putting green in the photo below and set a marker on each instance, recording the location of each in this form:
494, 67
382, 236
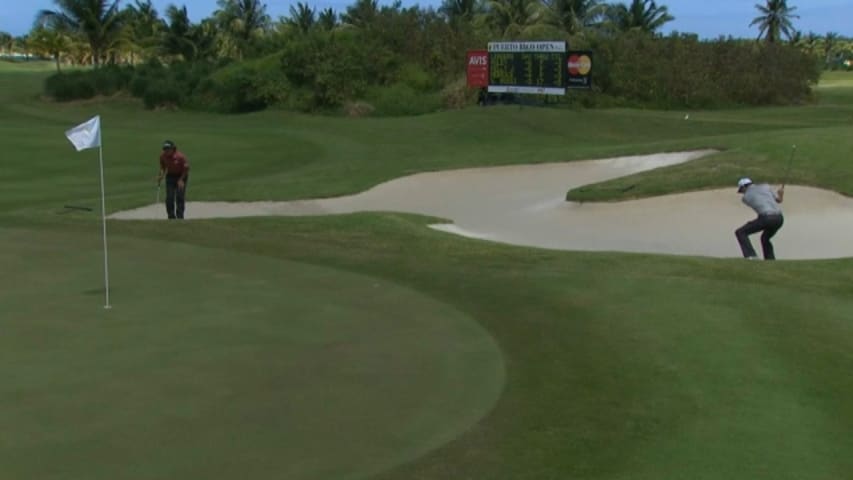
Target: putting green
213, 364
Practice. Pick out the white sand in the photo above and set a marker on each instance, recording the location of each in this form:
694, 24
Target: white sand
524, 205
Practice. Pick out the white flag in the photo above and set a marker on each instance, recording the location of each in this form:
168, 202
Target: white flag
86, 135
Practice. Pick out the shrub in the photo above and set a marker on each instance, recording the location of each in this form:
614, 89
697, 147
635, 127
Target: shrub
680, 71
162, 93
110, 79
171, 86
417, 78
151, 68
190, 75
400, 99
65, 87
299, 99
139, 85
358, 109
336, 67
80, 85
458, 95
243, 87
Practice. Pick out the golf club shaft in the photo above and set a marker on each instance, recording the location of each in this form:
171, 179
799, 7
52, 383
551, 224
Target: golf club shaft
790, 164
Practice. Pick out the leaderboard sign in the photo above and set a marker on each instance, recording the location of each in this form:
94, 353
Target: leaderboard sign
529, 67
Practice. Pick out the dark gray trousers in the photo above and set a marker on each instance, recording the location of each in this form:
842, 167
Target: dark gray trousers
175, 198
769, 225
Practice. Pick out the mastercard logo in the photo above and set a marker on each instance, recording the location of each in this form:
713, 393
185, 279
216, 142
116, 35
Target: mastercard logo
580, 64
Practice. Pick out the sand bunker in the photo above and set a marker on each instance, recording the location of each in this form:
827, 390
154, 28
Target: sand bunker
524, 205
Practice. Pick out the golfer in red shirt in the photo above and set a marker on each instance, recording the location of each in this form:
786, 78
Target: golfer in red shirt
176, 169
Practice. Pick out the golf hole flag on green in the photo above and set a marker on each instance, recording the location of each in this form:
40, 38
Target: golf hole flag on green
85, 136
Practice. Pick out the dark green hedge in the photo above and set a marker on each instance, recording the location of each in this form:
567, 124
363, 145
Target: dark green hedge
680, 71
76, 85
328, 70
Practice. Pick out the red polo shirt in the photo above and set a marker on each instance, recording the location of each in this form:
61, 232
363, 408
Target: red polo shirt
175, 163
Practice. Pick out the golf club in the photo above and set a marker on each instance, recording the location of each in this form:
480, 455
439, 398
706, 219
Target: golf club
160, 175
790, 163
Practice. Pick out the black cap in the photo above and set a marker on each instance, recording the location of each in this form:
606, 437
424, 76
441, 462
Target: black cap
168, 144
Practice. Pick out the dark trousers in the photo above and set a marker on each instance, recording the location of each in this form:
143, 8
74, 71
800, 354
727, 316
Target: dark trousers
769, 225
175, 197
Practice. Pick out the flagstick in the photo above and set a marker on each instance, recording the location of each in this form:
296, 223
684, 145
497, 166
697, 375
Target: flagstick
104, 218
85, 136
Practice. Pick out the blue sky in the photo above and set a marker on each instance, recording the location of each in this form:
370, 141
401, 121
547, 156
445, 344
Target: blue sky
725, 17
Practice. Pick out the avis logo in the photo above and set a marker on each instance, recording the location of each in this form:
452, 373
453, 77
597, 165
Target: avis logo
478, 60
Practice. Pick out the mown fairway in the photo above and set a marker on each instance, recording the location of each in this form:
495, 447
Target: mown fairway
368, 346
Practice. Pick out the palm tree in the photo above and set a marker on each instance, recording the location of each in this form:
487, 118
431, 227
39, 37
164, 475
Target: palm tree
459, 12
328, 19
513, 18
21, 45
144, 28
775, 20
572, 16
6, 42
178, 38
796, 38
361, 14
206, 36
243, 21
807, 42
829, 43
98, 21
640, 15
51, 43
302, 17
77, 51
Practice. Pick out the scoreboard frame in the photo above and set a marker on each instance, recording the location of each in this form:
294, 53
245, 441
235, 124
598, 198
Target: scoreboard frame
528, 67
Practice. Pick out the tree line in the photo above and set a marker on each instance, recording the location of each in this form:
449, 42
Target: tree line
390, 57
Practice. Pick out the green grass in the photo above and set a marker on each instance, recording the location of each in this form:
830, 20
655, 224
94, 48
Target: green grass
25, 66
228, 368
368, 346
